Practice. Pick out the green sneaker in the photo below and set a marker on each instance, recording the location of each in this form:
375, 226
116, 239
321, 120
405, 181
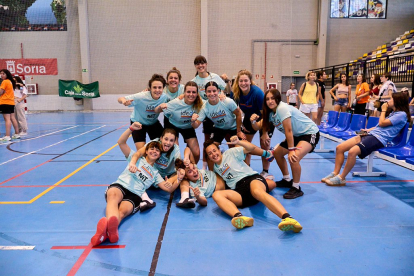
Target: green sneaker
328, 177
288, 224
241, 222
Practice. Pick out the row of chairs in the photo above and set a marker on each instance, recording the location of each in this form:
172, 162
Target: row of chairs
345, 125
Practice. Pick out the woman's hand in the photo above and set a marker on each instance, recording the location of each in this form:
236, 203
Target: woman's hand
127, 102
241, 135
163, 106
234, 140
194, 117
293, 158
196, 191
254, 118
136, 126
180, 175
132, 168
384, 107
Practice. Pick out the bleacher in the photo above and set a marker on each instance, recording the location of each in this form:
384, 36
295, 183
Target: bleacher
396, 56
342, 126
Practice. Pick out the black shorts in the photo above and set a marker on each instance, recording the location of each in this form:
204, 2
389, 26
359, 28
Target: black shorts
243, 188
208, 126
293, 104
6, 108
187, 133
154, 131
368, 144
129, 196
247, 125
312, 139
219, 134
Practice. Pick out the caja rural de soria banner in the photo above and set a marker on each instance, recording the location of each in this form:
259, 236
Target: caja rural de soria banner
72, 88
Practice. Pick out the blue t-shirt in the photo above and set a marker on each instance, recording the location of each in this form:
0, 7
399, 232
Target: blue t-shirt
201, 82
172, 96
221, 114
166, 165
144, 105
386, 134
301, 124
179, 113
140, 181
233, 168
206, 183
252, 103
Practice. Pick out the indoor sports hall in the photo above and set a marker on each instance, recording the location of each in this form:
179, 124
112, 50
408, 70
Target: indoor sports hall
53, 179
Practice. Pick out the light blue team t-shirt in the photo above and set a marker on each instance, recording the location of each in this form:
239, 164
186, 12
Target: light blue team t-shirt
206, 183
388, 133
144, 106
301, 124
201, 82
233, 168
172, 96
221, 114
179, 113
166, 165
140, 181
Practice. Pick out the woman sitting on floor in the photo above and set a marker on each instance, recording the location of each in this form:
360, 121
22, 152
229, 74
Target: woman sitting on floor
374, 138
123, 197
247, 187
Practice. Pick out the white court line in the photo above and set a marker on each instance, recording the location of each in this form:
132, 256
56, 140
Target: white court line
50, 146
37, 137
16, 247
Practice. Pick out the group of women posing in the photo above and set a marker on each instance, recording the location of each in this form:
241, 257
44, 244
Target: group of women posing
230, 180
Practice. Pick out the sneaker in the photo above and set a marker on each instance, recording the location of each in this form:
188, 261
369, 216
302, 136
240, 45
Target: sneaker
187, 203
242, 221
16, 136
284, 183
146, 205
113, 229
328, 177
5, 139
23, 133
288, 224
100, 235
293, 193
335, 181
267, 175
271, 158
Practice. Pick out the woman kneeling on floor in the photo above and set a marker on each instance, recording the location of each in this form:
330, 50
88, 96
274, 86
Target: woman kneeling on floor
124, 196
247, 187
372, 139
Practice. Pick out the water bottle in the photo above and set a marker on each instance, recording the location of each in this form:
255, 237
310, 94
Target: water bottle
325, 120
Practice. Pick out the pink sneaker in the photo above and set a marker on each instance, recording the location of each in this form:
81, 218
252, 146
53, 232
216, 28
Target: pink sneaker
100, 235
113, 229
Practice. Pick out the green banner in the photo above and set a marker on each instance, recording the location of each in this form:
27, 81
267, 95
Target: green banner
72, 88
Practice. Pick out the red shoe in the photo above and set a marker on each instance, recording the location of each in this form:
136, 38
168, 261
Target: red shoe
100, 235
113, 229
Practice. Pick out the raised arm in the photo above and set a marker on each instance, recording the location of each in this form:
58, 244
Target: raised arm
124, 138
382, 121
124, 101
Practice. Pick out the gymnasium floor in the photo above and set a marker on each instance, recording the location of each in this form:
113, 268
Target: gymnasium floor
52, 186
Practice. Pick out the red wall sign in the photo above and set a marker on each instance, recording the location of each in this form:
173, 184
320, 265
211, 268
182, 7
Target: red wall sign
45, 66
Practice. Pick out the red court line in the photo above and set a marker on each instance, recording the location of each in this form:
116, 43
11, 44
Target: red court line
80, 261
84, 247
60, 186
39, 165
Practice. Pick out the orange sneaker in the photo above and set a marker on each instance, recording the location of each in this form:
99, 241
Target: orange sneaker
113, 229
100, 235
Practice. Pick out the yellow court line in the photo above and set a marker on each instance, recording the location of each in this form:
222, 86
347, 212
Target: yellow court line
59, 182
56, 202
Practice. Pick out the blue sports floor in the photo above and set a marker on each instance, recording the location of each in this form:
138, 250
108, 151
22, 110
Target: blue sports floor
52, 185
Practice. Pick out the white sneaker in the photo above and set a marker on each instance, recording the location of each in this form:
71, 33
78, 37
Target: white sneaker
267, 175
16, 136
23, 133
5, 139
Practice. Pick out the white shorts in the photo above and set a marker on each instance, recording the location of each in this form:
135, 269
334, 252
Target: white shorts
308, 108
370, 105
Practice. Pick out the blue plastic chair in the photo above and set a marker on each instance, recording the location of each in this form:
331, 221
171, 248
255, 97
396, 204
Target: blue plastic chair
357, 122
410, 161
403, 152
372, 121
400, 139
332, 120
342, 123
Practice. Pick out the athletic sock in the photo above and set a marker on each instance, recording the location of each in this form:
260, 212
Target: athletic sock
145, 197
287, 177
184, 195
238, 214
286, 215
296, 185
266, 171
